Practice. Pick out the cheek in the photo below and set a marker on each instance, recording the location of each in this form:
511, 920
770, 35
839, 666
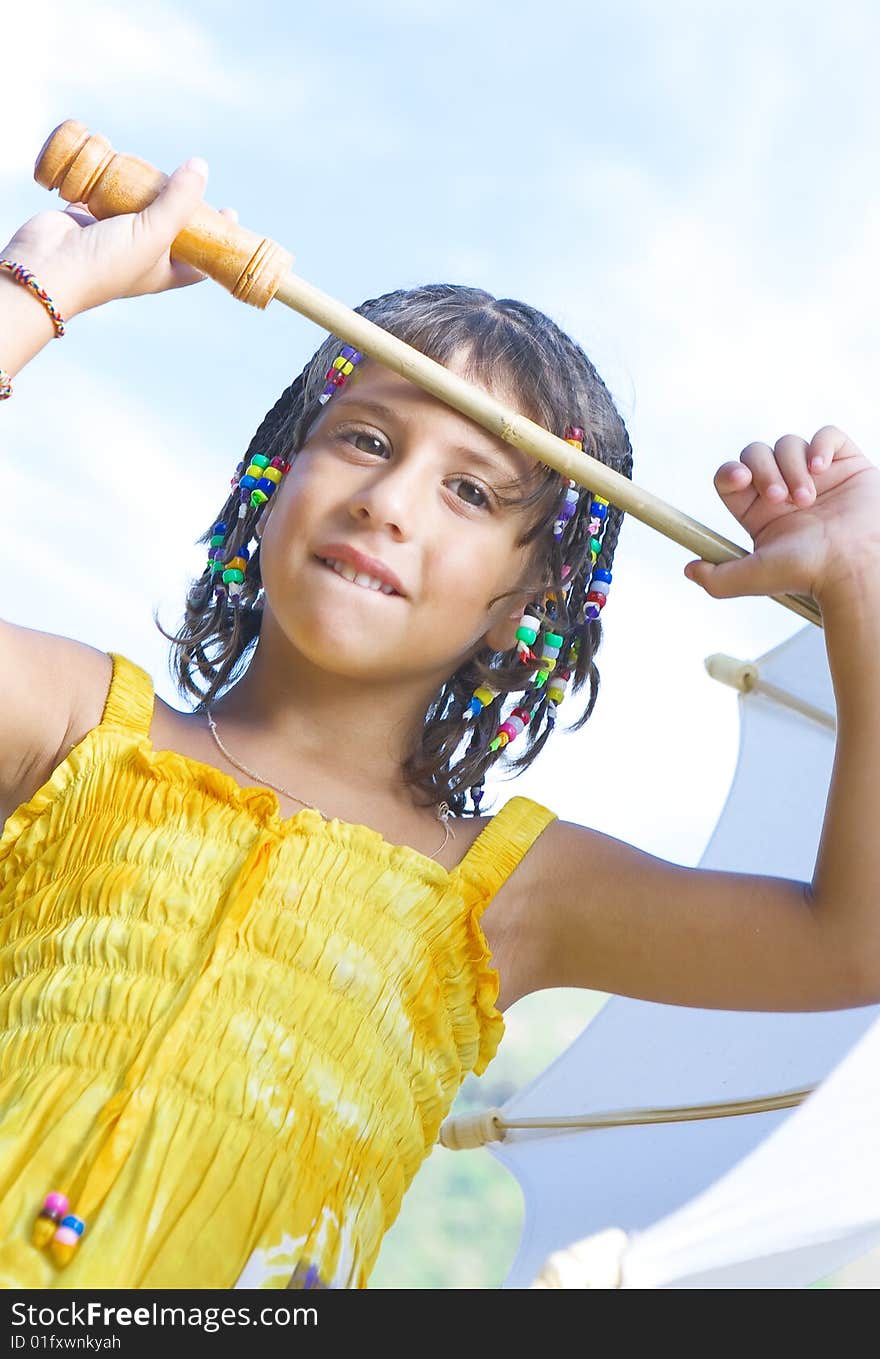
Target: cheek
464, 580
303, 494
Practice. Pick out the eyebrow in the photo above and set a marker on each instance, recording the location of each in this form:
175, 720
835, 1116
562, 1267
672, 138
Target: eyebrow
490, 458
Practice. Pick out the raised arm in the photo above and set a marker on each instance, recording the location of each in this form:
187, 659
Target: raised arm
80, 264
612, 918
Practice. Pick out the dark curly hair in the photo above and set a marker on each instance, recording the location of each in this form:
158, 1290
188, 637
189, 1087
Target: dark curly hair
506, 345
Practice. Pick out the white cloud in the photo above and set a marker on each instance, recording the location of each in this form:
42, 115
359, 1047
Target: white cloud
158, 60
104, 501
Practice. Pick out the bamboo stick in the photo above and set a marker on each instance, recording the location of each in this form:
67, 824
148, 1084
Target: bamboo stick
85, 169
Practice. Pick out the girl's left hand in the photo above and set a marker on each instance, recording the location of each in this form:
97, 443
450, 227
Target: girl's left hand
813, 513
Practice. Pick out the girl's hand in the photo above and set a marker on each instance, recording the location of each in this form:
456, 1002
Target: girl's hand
83, 263
813, 513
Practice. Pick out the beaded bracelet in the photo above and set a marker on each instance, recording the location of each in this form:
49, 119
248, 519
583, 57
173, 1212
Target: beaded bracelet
24, 276
5, 386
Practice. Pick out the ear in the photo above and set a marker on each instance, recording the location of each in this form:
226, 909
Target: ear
501, 636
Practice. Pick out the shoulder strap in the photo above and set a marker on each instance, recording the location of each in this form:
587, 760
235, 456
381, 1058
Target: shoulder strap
130, 698
502, 845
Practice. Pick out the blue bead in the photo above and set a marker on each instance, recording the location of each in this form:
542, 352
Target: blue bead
218, 528
264, 484
75, 1222
602, 574
247, 483
598, 511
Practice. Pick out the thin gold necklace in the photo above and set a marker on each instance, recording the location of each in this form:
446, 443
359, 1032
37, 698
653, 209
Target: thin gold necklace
443, 811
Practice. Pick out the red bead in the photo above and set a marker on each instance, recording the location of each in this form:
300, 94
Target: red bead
594, 597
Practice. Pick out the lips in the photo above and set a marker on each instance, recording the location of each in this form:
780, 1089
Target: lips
385, 590
359, 568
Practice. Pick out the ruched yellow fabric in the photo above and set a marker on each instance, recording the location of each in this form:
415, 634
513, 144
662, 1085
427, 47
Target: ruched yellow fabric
230, 1039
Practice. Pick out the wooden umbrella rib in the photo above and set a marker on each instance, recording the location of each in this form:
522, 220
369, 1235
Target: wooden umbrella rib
462, 1132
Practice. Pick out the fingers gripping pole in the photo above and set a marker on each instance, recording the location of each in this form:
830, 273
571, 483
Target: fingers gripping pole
84, 168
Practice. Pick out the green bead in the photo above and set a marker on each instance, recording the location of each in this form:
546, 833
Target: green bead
215, 567
595, 545
233, 573
218, 540
259, 461
258, 497
541, 678
526, 635
553, 639
494, 744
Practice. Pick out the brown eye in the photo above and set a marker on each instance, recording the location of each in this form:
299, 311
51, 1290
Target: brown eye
366, 442
472, 494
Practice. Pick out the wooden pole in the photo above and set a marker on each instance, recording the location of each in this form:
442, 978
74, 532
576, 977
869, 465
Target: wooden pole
85, 169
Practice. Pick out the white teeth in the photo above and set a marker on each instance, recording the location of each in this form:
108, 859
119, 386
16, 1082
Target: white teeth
360, 577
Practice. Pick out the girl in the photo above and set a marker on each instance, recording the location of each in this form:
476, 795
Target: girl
246, 959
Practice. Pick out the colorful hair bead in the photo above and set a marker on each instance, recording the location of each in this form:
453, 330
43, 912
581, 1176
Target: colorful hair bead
341, 368
598, 593
481, 699
54, 1208
567, 510
526, 633
550, 648
215, 554
554, 664
557, 687
66, 1239
256, 481
5, 385
511, 727
573, 435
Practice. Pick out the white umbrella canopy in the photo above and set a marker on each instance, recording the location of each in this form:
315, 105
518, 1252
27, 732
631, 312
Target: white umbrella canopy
637, 1055
770, 1222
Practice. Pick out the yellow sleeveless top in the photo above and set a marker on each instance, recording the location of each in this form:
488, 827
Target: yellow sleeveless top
229, 1039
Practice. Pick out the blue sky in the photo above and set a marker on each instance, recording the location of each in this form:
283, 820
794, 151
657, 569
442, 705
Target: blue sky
690, 189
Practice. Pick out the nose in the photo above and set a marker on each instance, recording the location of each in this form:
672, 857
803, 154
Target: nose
388, 499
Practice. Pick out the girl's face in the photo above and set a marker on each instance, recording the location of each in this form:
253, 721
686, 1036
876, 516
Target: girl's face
393, 474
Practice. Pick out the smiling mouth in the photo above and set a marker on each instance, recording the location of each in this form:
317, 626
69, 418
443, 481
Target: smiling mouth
357, 577
385, 590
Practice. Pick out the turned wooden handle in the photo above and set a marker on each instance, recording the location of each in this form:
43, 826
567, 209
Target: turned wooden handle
84, 168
